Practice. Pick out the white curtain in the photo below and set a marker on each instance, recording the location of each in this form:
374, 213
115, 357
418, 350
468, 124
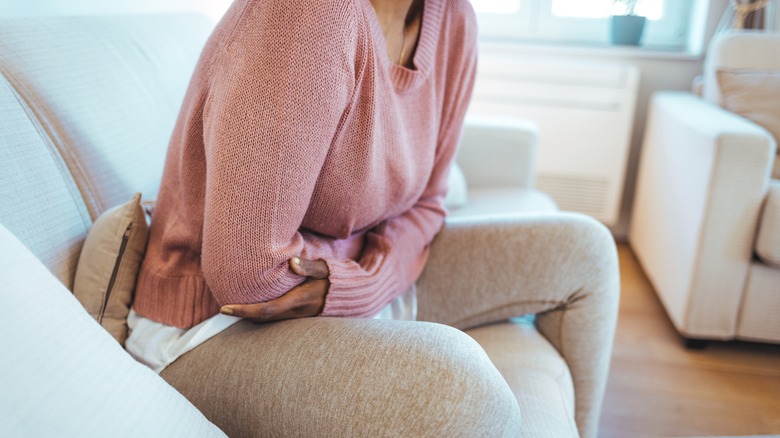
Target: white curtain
749, 14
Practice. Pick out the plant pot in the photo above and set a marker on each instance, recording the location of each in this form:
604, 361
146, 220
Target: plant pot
626, 30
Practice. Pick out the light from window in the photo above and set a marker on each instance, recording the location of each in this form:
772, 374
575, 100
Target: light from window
652, 9
496, 6
581, 21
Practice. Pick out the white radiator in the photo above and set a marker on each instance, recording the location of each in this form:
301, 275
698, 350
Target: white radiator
585, 115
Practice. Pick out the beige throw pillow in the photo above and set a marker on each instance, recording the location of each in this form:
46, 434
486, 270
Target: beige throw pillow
755, 95
109, 263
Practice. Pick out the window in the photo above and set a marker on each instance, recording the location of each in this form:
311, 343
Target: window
581, 21
652, 9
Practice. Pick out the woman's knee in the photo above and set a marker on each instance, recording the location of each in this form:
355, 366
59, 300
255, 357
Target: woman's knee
465, 393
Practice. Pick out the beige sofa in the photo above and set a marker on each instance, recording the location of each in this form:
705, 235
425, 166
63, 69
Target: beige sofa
706, 219
86, 108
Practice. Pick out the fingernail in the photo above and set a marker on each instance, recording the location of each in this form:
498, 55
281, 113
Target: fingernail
296, 261
226, 311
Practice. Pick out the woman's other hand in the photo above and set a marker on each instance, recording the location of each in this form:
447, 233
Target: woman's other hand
307, 299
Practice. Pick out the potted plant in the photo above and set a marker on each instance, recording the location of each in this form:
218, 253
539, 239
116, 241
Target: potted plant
627, 29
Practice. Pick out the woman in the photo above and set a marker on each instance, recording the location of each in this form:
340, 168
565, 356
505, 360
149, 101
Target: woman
308, 168
321, 133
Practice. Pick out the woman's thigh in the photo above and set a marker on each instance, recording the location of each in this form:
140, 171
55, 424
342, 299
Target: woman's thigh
480, 273
336, 377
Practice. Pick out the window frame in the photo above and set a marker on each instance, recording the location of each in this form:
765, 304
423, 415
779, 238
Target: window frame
535, 23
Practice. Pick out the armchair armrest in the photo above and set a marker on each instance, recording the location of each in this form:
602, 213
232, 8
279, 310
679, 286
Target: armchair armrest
703, 177
562, 267
498, 152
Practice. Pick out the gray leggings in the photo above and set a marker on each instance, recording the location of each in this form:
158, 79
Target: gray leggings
353, 377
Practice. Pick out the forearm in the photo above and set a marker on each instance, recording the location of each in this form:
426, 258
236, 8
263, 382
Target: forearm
245, 281
263, 146
392, 259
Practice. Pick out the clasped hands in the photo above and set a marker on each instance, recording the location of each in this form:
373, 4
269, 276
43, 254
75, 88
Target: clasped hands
304, 300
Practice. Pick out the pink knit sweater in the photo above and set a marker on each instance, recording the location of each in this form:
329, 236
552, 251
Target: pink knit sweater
298, 136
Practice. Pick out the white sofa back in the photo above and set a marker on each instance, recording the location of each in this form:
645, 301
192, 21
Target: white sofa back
87, 107
750, 60
738, 50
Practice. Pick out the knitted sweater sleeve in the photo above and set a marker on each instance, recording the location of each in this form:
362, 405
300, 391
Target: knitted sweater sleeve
276, 98
395, 252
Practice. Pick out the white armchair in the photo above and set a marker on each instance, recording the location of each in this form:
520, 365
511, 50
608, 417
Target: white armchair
702, 196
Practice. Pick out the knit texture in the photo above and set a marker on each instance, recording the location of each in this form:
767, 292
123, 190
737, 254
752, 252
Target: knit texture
299, 136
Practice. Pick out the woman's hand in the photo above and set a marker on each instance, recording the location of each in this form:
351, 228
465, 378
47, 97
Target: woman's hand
307, 299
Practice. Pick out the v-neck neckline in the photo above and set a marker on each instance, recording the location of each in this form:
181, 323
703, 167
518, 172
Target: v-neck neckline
405, 78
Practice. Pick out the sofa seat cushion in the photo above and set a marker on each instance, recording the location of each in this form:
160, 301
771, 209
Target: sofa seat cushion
536, 373
758, 319
768, 241
484, 201
63, 375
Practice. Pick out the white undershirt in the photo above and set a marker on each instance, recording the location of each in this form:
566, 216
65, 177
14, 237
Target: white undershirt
157, 345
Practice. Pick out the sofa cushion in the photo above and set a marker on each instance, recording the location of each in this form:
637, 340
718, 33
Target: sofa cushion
457, 189
536, 373
109, 265
107, 90
753, 95
39, 201
768, 241
63, 375
504, 202
758, 319
738, 49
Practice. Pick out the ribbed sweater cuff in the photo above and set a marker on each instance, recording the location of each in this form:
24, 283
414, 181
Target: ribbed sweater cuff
178, 301
354, 292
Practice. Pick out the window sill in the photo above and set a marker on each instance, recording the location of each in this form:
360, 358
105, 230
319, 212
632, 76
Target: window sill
589, 50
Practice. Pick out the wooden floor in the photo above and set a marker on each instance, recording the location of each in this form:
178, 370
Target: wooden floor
657, 388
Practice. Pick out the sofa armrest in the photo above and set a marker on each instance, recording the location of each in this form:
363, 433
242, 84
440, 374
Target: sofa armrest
562, 267
703, 177
498, 152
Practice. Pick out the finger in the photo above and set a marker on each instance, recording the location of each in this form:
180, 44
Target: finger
259, 312
250, 311
302, 301
310, 268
